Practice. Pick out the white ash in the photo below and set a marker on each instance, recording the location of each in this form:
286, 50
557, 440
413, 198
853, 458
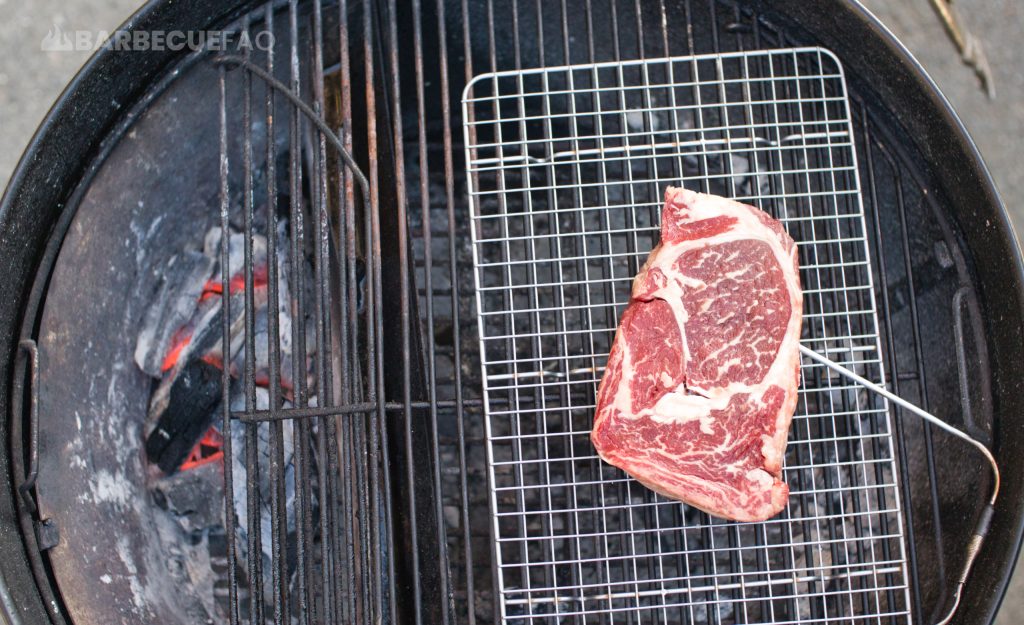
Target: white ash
172, 307
239, 474
113, 488
236, 249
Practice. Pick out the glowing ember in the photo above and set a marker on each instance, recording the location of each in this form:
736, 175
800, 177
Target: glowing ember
214, 360
179, 342
209, 449
235, 285
212, 288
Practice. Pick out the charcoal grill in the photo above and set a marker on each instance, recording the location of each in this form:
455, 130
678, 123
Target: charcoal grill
393, 451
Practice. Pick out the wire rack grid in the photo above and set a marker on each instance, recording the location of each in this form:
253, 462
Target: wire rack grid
567, 167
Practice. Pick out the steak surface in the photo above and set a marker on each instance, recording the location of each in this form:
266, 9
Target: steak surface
701, 381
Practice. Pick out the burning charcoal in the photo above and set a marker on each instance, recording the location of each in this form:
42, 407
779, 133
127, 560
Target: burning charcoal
261, 364
236, 250
186, 350
183, 407
184, 402
190, 280
207, 337
194, 497
173, 306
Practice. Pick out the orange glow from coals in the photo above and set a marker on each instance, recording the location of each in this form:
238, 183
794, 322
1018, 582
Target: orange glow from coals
179, 342
214, 288
209, 449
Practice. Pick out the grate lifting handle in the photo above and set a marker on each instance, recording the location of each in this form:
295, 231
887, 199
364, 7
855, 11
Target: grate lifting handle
985, 520
231, 60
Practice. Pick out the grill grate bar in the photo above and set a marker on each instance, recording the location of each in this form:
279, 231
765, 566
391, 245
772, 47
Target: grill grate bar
318, 486
296, 257
381, 508
404, 304
462, 450
253, 541
279, 573
274, 357
229, 511
348, 339
428, 285
545, 244
449, 195
327, 449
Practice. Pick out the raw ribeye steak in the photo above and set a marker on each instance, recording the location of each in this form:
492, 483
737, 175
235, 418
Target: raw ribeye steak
702, 377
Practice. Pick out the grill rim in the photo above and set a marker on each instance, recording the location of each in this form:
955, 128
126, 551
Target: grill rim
930, 118
34, 204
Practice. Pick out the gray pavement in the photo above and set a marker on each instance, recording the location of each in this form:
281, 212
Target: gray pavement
30, 80
997, 126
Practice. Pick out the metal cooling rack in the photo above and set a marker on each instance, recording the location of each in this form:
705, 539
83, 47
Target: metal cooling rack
567, 167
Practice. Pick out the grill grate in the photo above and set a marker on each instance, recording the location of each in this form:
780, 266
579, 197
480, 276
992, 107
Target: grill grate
364, 549
331, 554
567, 167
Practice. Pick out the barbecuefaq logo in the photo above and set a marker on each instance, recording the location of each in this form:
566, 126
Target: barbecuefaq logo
59, 40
